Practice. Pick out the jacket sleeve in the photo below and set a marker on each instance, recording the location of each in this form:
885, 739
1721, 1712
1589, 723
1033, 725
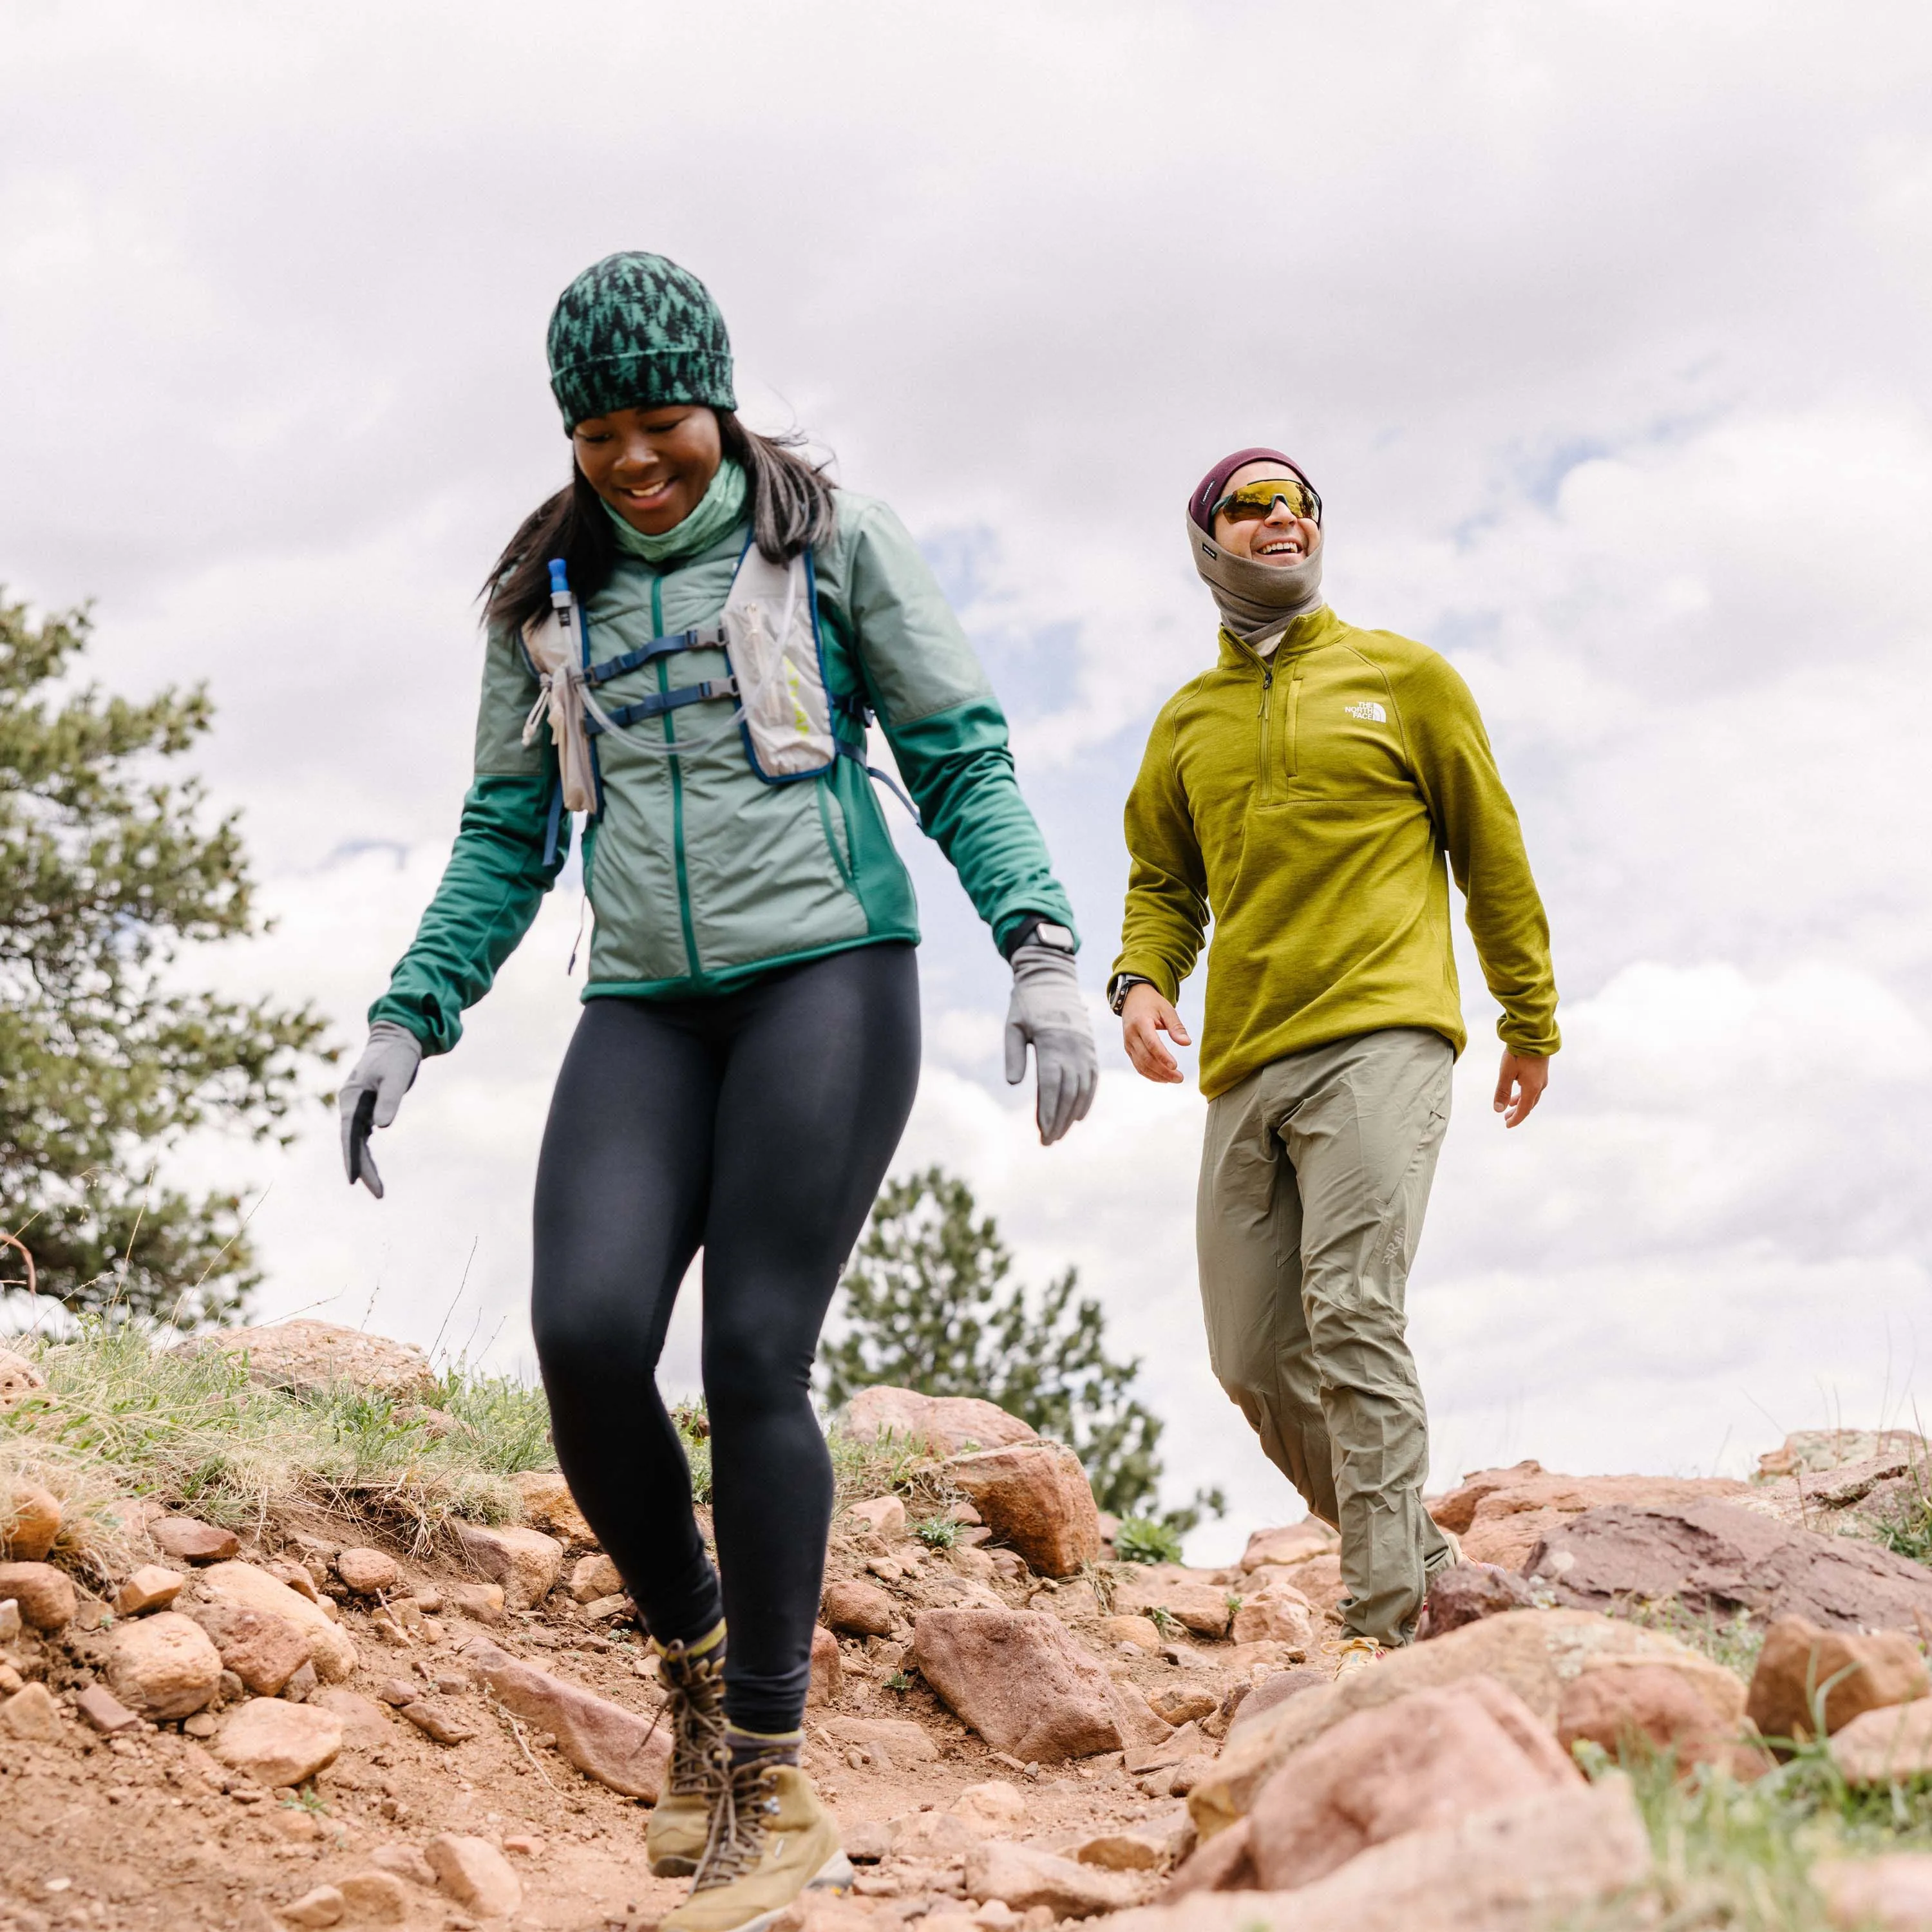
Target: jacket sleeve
1481, 833
1166, 915
947, 733
497, 873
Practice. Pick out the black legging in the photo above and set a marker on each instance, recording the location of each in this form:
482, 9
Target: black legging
757, 1125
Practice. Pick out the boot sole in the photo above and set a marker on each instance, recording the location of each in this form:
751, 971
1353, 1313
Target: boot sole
835, 1875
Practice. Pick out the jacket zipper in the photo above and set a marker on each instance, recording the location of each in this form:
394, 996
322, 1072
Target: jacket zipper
694, 970
1268, 766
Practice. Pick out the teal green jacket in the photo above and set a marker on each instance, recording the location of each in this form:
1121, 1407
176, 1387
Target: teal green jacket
701, 876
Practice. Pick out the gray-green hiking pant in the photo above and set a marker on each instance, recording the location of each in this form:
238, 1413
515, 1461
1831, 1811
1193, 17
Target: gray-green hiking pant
1315, 1175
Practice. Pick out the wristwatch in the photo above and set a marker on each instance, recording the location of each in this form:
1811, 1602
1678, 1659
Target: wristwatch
1117, 994
1036, 930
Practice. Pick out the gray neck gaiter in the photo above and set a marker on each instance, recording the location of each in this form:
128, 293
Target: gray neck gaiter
1257, 600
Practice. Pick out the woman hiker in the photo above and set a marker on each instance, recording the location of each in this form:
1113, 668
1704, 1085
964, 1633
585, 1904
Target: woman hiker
1316, 788
685, 642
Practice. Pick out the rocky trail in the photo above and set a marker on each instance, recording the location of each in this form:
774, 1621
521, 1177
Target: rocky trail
308, 1720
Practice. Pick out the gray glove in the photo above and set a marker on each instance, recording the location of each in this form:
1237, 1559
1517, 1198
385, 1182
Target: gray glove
1047, 1009
371, 1094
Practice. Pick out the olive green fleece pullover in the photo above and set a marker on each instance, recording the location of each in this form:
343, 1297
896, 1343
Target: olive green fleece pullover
1306, 803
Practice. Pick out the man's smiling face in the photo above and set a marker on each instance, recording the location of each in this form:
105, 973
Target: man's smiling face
1279, 538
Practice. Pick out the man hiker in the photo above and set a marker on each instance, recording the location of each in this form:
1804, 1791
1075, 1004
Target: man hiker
1304, 793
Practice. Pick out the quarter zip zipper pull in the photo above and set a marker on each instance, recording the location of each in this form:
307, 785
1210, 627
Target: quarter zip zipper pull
1267, 685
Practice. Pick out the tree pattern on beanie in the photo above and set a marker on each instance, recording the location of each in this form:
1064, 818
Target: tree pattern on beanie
635, 332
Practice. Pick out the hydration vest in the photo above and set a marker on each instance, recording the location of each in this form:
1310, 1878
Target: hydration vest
786, 713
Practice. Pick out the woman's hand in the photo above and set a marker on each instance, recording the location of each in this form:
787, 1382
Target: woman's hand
1144, 1016
371, 1094
1047, 1013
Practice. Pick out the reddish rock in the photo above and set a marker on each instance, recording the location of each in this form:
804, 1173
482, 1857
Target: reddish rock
1892, 1744
375, 1898
188, 1539
884, 1515
30, 1519
1295, 1544
617, 1746
150, 1588
1024, 1877
105, 1711
482, 1601
263, 1650
311, 1357
322, 1905
1717, 1558
247, 1587
1467, 1591
277, 1742
1018, 1678
19, 1379
1417, 1765
1697, 1715
1274, 1690
440, 1722
828, 1674
368, 1573
1543, 1861
1851, 1671
594, 1577
859, 1610
947, 1424
1142, 1631
31, 1713
1282, 1615
44, 1595
163, 1665
1890, 1893
898, 1740
549, 1505
1180, 1703
524, 1562
475, 1873
1036, 1497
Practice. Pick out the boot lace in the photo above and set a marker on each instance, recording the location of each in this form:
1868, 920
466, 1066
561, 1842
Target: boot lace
695, 1699
738, 1823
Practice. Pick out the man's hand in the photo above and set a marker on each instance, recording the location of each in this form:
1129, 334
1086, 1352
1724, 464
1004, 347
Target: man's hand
1518, 1086
1144, 1016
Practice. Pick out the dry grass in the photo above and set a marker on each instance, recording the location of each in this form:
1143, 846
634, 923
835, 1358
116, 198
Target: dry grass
123, 1418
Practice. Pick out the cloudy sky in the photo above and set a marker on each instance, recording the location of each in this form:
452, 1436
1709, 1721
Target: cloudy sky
1602, 328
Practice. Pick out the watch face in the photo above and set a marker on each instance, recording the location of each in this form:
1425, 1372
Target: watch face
1057, 937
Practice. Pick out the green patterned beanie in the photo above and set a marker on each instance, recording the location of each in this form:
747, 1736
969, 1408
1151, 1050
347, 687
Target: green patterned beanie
635, 332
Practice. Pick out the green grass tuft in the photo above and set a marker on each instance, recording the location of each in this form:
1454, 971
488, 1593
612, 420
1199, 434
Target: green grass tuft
1140, 1539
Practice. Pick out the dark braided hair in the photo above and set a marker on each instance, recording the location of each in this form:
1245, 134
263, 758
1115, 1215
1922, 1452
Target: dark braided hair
791, 511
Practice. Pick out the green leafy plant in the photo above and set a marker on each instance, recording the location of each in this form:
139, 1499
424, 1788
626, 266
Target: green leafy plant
107, 871
926, 1305
897, 1680
1169, 1625
1144, 1539
938, 1532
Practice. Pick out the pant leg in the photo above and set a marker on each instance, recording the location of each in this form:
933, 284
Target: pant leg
1248, 1231
1363, 1137
820, 1080
621, 1187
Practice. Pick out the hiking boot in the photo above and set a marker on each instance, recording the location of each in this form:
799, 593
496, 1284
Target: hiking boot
771, 1840
693, 1675
1358, 1654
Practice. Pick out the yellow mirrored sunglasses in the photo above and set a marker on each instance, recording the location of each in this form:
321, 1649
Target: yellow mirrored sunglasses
1253, 501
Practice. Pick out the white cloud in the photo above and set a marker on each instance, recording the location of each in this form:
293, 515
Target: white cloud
1601, 329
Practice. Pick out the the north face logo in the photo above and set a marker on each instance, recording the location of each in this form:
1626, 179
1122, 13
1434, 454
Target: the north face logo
1368, 711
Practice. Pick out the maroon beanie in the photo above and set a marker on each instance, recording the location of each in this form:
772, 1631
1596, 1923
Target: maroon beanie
1214, 486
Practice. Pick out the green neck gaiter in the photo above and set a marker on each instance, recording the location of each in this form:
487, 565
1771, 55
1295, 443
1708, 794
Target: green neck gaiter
722, 509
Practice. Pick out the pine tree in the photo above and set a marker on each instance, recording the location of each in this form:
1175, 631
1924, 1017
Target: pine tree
106, 871
926, 1307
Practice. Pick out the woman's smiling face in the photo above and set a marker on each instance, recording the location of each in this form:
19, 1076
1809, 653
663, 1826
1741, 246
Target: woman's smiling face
1279, 538
652, 466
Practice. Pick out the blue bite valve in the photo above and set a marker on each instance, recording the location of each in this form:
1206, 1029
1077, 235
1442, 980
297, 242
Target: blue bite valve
559, 582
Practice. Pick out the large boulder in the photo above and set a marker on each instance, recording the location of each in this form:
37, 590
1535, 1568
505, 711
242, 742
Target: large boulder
1543, 1861
310, 1357
947, 1424
1018, 1678
1893, 1744
1416, 1766
1035, 1496
1717, 1558
619, 1748
1500, 1514
1851, 1672
1534, 1653
1820, 1451
247, 1587
1696, 1714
